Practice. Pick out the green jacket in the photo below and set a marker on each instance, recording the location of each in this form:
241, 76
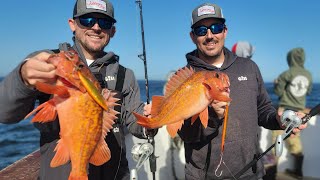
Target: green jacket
293, 85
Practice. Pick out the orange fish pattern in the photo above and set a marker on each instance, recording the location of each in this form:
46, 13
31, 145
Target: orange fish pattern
85, 114
188, 94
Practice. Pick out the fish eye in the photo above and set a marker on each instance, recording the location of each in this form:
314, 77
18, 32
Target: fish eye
80, 66
217, 75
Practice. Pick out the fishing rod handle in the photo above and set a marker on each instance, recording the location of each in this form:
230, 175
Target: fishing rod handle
248, 166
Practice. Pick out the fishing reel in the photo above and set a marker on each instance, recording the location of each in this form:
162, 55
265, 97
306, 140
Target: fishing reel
140, 153
290, 120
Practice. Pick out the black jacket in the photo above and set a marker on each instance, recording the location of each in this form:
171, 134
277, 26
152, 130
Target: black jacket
250, 108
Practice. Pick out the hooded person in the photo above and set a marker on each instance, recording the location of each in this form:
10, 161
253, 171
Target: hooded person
292, 86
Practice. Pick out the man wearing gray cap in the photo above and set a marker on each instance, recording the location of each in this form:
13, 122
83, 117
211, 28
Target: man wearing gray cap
250, 106
93, 27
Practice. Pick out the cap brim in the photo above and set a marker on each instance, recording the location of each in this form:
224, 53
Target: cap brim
222, 20
84, 13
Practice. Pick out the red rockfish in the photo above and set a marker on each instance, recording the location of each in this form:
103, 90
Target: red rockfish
188, 94
85, 116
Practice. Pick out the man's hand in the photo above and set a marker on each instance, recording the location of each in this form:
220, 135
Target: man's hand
219, 107
295, 130
37, 69
147, 110
147, 113
302, 126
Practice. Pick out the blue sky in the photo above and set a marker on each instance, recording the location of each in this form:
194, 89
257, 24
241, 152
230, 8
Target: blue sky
273, 27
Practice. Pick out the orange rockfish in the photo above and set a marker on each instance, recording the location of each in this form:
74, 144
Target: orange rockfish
85, 116
188, 94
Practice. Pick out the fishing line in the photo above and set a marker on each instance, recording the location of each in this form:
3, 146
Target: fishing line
223, 138
120, 159
138, 30
151, 134
222, 162
215, 172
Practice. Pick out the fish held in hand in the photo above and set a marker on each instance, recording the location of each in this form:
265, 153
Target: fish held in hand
85, 113
188, 94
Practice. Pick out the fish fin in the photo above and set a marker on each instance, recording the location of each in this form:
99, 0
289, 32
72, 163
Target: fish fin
74, 176
204, 117
101, 154
61, 91
157, 102
144, 121
109, 116
174, 127
177, 79
62, 155
110, 98
194, 118
216, 94
46, 112
108, 120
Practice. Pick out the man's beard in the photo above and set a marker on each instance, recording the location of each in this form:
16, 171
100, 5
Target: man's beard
91, 50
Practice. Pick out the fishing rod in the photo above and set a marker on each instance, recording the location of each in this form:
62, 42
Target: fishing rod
150, 133
292, 122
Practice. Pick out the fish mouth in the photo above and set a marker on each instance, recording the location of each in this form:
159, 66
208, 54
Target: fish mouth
73, 85
67, 83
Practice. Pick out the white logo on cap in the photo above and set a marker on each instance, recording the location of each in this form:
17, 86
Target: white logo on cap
206, 10
96, 4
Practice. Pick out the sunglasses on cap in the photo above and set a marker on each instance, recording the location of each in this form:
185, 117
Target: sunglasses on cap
89, 22
202, 30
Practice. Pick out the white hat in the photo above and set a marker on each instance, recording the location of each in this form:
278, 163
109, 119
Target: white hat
243, 49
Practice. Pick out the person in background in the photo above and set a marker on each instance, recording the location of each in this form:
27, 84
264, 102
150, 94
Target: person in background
250, 107
243, 49
93, 25
292, 86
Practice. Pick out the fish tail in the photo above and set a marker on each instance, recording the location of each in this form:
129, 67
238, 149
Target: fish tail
74, 176
143, 121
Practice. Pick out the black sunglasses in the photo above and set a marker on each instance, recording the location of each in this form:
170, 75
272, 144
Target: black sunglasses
202, 30
89, 22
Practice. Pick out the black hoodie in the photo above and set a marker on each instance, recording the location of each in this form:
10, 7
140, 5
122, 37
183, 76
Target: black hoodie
250, 108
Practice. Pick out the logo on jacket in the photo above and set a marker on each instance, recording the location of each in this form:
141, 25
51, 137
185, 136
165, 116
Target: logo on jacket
242, 78
299, 86
109, 78
116, 129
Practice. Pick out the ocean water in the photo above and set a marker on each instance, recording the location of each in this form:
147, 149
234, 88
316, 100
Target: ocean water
18, 140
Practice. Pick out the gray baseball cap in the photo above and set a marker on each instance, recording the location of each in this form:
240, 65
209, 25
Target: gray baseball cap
206, 10
83, 7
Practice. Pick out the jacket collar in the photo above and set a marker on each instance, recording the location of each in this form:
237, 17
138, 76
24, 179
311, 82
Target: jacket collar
194, 60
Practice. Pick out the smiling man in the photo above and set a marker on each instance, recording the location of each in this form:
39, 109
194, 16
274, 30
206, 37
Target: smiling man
93, 26
250, 106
